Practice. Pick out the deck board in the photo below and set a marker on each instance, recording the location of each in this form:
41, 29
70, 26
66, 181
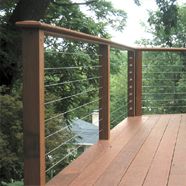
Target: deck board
122, 161
178, 168
143, 160
96, 168
159, 170
145, 150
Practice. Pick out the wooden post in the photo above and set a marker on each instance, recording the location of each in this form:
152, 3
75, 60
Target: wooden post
131, 83
104, 93
138, 83
33, 107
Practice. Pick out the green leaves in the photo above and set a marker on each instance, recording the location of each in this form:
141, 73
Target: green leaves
163, 83
118, 86
11, 137
110, 16
168, 24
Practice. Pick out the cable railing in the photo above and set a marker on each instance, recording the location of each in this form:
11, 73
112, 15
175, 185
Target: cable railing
66, 82
163, 80
72, 96
118, 87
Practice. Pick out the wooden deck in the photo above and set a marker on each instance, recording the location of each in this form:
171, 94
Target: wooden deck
145, 150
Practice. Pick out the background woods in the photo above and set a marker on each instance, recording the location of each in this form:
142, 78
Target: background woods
80, 61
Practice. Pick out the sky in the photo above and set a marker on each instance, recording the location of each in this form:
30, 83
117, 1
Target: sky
136, 15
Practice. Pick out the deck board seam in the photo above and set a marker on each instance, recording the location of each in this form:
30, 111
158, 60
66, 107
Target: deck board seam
138, 151
156, 151
121, 134
174, 151
124, 122
172, 126
172, 118
149, 118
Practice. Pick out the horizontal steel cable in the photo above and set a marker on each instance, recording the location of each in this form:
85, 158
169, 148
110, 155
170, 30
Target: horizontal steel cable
123, 106
146, 79
171, 93
67, 126
61, 145
120, 100
72, 67
73, 53
74, 81
70, 153
164, 72
74, 95
158, 86
71, 110
177, 106
118, 117
164, 100
66, 142
162, 66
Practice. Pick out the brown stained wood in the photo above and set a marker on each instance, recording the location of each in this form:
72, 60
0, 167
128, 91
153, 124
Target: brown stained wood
131, 83
125, 152
67, 175
159, 170
79, 165
177, 175
97, 168
123, 125
114, 172
137, 171
160, 49
33, 107
138, 83
104, 92
70, 34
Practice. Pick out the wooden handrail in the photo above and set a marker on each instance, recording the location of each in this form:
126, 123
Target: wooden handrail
70, 34
161, 49
33, 63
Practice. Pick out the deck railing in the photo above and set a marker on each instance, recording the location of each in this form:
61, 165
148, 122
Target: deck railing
164, 78
34, 89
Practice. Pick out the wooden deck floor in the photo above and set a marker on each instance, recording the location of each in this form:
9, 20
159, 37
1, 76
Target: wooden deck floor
147, 150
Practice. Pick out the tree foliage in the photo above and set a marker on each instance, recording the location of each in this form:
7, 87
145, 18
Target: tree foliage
69, 15
164, 88
164, 73
11, 137
118, 86
167, 24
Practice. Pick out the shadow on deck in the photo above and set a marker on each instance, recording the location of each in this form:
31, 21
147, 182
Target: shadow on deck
145, 150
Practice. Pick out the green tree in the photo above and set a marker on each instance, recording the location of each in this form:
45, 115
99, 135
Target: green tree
167, 24
164, 73
118, 86
62, 13
11, 137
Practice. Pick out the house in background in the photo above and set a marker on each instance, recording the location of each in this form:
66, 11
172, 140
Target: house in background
88, 133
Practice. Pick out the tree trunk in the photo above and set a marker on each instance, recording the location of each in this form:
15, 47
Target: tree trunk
29, 10
10, 62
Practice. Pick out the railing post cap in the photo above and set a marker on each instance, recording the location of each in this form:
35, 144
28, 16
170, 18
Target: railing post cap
29, 24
